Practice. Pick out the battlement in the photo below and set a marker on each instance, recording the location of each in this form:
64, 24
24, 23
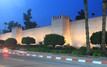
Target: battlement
60, 17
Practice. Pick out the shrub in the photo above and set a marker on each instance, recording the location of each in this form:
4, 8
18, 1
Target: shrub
53, 51
77, 52
2, 43
54, 39
40, 46
96, 38
49, 47
95, 48
96, 54
28, 41
83, 48
40, 43
59, 47
106, 48
65, 46
70, 48
11, 43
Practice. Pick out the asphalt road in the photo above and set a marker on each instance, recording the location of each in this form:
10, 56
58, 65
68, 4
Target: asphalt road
8, 60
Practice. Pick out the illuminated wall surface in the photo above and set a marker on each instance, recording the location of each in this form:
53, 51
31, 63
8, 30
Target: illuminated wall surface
74, 31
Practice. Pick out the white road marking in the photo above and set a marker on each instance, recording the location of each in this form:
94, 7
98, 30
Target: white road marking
81, 60
28, 54
96, 62
49, 57
41, 56
58, 58
34, 55
68, 59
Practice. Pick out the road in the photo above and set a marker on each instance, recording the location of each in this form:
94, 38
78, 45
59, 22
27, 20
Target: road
8, 60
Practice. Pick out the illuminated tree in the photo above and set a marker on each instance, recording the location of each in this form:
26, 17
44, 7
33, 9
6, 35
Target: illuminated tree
2, 43
11, 42
96, 38
54, 39
28, 41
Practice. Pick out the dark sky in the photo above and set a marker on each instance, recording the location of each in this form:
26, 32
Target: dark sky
43, 10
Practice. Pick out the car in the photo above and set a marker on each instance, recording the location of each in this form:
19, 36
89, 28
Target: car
5, 50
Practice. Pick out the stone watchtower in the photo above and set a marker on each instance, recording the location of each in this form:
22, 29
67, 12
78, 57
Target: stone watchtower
61, 25
17, 34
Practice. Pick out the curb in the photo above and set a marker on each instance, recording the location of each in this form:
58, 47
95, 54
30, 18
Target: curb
57, 58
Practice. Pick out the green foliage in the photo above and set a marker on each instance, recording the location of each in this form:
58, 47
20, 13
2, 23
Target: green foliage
10, 42
5, 31
12, 24
2, 42
25, 46
49, 47
28, 40
54, 39
69, 49
77, 52
95, 48
97, 54
96, 38
40, 46
81, 15
27, 20
65, 50
83, 48
40, 43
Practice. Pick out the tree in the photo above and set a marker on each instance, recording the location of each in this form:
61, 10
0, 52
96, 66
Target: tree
2, 43
11, 42
87, 27
104, 26
5, 24
12, 24
96, 38
81, 15
54, 39
27, 20
5, 31
28, 41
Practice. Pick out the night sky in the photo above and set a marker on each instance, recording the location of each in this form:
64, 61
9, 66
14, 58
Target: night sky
43, 10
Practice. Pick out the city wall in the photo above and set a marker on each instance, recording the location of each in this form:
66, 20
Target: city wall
78, 30
74, 31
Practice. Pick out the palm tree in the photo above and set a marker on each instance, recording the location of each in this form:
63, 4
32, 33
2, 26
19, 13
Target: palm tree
5, 25
103, 27
87, 27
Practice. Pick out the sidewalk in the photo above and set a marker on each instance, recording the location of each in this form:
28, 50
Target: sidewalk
88, 59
